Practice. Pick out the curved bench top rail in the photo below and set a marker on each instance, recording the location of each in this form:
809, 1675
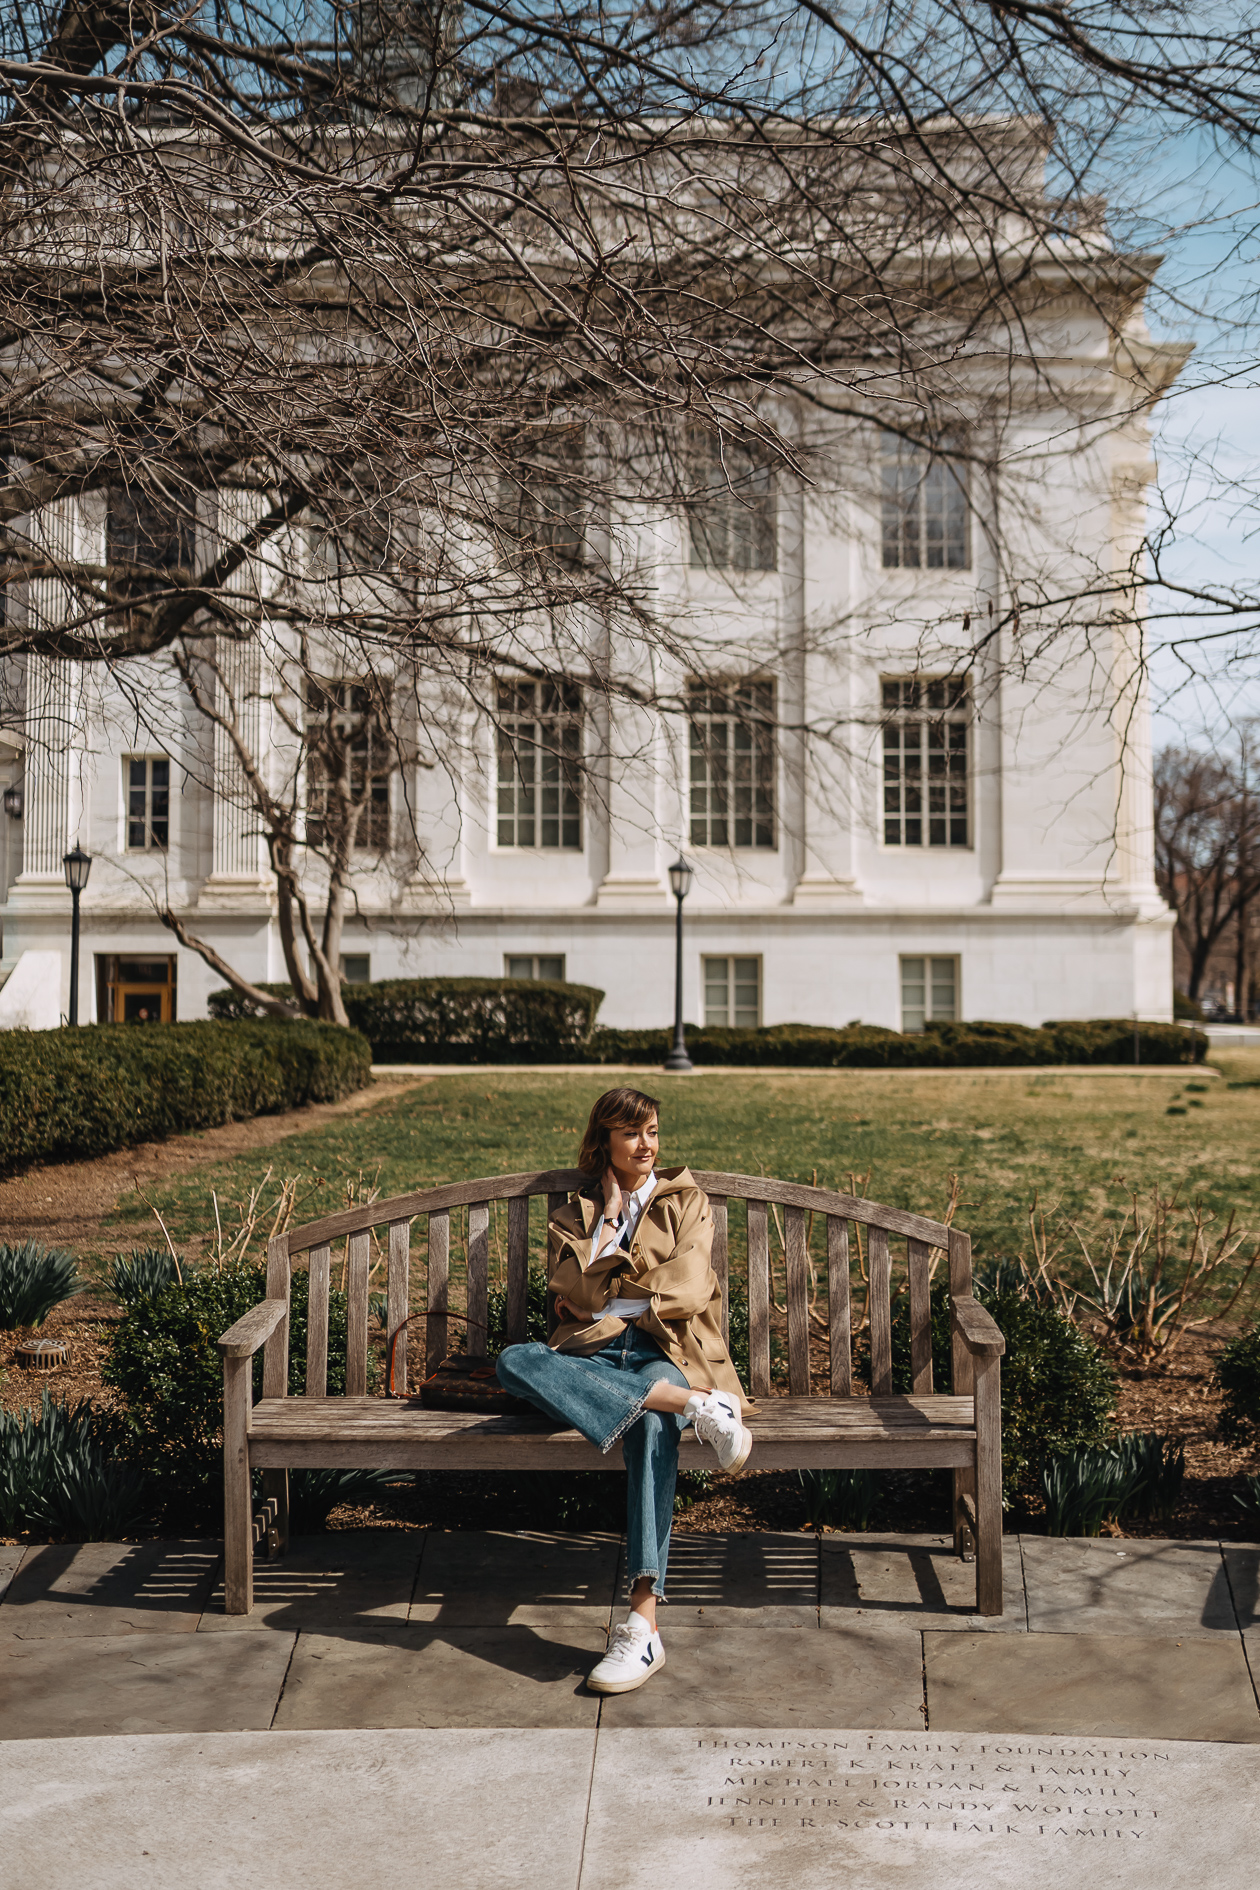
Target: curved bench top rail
404, 1207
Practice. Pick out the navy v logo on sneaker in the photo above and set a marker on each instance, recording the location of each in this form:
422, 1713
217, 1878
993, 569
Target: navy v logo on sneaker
649, 1657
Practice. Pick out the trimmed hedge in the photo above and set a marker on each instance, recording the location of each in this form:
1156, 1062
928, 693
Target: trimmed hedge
79, 1092
515, 1020
460, 1020
940, 1046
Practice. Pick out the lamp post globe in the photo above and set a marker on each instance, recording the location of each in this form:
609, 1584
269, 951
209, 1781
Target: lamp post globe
680, 877
77, 865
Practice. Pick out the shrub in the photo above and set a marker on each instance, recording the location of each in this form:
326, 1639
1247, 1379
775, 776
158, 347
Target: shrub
510, 1020
1083, 1487
460, 1020
496, 1317
313, 1494
1158, 1464
60, 1470
839, 1499
164, 1359
1058, 1390
34, 1279
940, 1045
1248, 1498
66, 1093
142, 1274
1237, 1377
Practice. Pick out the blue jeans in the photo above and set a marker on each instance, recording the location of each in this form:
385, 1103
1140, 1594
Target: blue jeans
602, 1396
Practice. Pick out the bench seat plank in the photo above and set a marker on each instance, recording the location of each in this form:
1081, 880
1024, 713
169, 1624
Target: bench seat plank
790, 1433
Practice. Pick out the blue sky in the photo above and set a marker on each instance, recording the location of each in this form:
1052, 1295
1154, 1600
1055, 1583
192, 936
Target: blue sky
1208, 431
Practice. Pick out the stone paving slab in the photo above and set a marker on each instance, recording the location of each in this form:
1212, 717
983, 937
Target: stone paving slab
760, 1674
715, 1578
1135, 1686
477, 1578
483, 1810
1242, 1566
140, 1683
914, 1582
1119, 1585
10, 1560
423, 1675
821, 1808
97, 1588
326, 1584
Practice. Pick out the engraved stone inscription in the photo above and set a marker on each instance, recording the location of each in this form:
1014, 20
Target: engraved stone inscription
1098, 1792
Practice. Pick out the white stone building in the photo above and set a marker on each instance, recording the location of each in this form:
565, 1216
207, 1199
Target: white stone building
907, 828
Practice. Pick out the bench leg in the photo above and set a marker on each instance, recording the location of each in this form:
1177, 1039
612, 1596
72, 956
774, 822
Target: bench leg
989, 1486
964, 1502
275, 1484
238, 1509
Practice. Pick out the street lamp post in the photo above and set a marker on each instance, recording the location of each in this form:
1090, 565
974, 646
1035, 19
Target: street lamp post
78, 865
680, 876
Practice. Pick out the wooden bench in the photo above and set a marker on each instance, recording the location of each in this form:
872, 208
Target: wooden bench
804, 1430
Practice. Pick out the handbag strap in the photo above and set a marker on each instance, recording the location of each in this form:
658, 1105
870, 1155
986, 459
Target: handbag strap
471, 1324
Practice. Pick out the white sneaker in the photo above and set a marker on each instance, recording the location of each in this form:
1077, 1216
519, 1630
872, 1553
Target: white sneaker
634, 1654
715, 1415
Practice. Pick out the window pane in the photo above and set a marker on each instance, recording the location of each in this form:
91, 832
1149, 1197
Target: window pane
538, 754
733, 514
944, 984
551, 970
519, 967
732, 764
747, 982
717, 1005
356, 968
913, 994
924, 511
925, 761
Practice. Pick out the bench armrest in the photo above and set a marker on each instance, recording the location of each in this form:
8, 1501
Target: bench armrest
253, 1328
977, 1329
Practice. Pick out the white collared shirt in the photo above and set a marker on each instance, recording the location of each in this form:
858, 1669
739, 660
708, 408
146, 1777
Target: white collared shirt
631, 1209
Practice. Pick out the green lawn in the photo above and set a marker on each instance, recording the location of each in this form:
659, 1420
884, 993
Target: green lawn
1078, 1144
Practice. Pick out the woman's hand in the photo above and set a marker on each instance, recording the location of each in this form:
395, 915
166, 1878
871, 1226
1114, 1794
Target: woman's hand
612, 1195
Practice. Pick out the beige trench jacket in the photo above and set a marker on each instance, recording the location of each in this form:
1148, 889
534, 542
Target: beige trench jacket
670, 1262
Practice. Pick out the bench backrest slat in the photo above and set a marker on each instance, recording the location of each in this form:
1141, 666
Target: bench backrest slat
839, 1316
758, 1300
439, 1301
721, 1259
796, 1268
518, 1269
794, 1208
478, 1291
276, 1350
317, 1322
879, 1301
359, 1266
964, 1374
398, 1299
919, 1269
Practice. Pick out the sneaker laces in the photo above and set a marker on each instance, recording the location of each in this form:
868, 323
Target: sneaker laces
622, 1639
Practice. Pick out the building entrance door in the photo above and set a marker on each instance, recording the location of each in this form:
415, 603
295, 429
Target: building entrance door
135, 990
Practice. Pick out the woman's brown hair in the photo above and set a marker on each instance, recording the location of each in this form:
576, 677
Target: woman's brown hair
616, 1109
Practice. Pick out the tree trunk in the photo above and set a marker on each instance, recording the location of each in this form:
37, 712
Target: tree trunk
273, 1006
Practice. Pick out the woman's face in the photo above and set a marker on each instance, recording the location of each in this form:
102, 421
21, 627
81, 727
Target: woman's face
632, 1152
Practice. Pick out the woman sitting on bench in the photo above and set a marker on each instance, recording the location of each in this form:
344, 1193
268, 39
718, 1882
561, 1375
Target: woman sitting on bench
638, 1352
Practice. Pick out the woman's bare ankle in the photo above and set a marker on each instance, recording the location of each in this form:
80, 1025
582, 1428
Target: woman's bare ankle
643, 1602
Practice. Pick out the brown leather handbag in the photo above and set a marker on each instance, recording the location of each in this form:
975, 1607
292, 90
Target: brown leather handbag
464, 1381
